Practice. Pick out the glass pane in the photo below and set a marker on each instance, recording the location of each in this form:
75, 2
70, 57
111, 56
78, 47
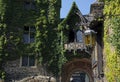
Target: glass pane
32, 40
32, 29
79, 36
32, 5
25, 61
27, 5
79, 77
31, 61
26, 38
32, 37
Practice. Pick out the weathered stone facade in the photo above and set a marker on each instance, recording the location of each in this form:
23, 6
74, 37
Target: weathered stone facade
16, 72
97, 9
97, 55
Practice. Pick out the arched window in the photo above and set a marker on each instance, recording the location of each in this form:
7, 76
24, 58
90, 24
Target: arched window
79, 36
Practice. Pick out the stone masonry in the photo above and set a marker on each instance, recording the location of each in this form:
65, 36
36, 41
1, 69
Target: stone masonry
17, 73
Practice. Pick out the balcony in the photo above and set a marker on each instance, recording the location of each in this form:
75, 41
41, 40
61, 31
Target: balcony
74, 46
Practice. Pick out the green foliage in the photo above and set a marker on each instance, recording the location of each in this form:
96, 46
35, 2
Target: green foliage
111, 40
115, 40
44, 17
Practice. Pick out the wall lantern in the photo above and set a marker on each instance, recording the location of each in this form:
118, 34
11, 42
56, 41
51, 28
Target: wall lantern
90, 37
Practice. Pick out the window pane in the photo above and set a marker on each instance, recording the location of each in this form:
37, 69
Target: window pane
26, 38
32, 29
79, 77
25, 61
32, 34
29, 34
31, 61
79, 36
27, 5
33, 5
32, 37
32, 40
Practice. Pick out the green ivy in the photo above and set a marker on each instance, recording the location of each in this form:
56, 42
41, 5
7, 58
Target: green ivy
45, 18
111, 40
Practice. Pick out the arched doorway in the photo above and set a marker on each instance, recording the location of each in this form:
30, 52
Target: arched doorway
78, 69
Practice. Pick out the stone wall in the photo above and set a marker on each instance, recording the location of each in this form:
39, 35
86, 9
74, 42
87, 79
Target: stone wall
16, 73
97, 9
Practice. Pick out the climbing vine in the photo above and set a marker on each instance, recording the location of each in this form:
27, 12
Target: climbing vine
44, 16
111, 40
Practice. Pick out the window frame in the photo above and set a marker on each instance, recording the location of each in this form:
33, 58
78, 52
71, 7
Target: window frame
82, 36
29, 5
28, 62
28, 34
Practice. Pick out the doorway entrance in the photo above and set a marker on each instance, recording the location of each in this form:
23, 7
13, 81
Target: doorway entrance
77, 70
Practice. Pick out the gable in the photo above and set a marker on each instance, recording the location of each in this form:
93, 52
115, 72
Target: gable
74, 17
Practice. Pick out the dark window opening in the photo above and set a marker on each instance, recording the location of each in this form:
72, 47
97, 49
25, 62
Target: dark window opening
29, 34
31, 61
28, 61
28, 5
24, 61
26, 28
71, 36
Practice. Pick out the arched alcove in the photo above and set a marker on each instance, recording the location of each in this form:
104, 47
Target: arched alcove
76, 65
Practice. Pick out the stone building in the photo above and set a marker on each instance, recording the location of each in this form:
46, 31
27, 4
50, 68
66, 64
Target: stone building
84, 62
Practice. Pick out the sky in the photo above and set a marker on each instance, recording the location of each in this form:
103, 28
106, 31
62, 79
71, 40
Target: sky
83, 5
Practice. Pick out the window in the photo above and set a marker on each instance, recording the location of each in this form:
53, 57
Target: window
79, 77
79, 36
29, 5
71, 36
29, 34
28, 61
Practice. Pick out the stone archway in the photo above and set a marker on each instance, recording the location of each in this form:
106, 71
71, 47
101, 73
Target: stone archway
76, 65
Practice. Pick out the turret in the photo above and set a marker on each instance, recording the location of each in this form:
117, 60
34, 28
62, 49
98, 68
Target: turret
97, 9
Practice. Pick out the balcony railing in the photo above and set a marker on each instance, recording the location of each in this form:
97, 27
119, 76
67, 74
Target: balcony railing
74, 46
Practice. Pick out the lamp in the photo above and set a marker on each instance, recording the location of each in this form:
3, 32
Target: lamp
89, 37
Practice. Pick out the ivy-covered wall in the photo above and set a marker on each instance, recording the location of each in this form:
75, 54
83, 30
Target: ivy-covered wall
112, 40
44, 15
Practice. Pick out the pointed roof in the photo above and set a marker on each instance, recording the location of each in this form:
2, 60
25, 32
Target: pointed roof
75, 11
